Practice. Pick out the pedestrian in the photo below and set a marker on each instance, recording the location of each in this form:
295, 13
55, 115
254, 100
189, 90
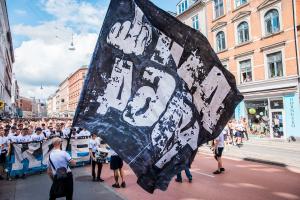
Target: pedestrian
3, 152
187, 173
116, 164
218, 150
38, 136
60, 172
239, 129
94, 144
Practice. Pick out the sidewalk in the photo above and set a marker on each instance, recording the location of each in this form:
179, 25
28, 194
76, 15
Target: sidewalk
36, 187
269, 151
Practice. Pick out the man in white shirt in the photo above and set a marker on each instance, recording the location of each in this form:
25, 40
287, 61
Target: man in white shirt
60, 172
218, 149
38, 135
84, 133
94, 144
23, 137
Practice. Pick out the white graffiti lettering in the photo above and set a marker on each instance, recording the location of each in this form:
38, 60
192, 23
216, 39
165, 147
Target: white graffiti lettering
131, 37
148, 104
118, 90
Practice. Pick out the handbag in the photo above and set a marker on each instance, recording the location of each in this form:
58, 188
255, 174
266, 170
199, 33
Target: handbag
59, 185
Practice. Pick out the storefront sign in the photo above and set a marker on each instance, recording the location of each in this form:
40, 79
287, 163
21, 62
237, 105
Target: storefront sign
292, 112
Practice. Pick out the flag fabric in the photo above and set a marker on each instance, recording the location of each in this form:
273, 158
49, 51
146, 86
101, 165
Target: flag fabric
155, 91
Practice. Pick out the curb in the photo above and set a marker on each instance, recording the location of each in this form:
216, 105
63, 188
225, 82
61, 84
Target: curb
249, 159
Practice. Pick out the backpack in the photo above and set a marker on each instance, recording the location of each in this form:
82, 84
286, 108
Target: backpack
61, 173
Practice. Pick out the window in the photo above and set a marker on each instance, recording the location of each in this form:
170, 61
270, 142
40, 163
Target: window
275, 66
239, 3
243, 32
246, 71
183, 6
272, 24
195, 22
219, 8
220, 38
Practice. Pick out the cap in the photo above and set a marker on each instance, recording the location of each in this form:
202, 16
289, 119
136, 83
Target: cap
38, 129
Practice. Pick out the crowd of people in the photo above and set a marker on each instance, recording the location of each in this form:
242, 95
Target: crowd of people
24, 131
235, 132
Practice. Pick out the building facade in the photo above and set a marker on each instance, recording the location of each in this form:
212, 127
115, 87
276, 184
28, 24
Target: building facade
64, 102
25, 105
192, 13
6, 60
76, 81
258, 41
64, 98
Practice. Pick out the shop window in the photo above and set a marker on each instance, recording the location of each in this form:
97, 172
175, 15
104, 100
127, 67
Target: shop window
239, 3
220, 38
219, 8
276, 104
246, 71
243, 32
275, 66
272, 24
195, 20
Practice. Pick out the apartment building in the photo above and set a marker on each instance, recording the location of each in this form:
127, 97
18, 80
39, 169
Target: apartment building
76, 81
258, 41
6, 61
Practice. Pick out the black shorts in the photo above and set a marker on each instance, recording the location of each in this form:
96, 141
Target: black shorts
116, 162
238, 134
219, 151
2, 158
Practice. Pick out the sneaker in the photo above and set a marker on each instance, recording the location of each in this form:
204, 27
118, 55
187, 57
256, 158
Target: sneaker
116, 185
123, 184
190, 180
100, 180
178, 180
1, 178
222, 169
94, 179
217, 172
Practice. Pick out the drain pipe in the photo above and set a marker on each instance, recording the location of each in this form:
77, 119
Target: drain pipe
296, 45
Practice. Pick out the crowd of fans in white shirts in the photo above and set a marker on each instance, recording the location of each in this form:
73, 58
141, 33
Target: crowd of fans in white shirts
15, 131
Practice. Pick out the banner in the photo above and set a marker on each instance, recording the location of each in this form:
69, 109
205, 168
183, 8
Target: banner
30, 158
155, 91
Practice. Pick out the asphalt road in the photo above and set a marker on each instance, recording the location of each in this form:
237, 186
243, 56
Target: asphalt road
242, 180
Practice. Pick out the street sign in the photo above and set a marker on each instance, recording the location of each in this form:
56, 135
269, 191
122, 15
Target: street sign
2, 104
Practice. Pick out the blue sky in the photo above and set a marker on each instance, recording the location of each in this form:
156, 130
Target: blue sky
31, 12
42, 33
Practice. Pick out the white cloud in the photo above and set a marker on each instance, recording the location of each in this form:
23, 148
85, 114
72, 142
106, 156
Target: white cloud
44, 58
38, 62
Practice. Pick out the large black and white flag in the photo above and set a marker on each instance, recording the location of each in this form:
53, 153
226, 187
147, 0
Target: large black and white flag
155, 91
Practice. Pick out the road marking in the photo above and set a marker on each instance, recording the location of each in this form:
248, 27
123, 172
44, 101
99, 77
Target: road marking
197, 171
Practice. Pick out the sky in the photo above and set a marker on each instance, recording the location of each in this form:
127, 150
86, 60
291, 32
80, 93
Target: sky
42, 33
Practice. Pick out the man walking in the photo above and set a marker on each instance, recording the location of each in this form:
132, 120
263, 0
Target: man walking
218, 149
94, 144
60, 172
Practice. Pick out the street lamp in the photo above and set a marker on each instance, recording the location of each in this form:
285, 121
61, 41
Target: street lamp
72, 47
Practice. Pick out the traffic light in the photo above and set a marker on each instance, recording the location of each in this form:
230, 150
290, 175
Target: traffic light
1, 104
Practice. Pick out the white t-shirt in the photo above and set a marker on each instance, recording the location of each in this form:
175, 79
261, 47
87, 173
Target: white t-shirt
37, 138
59, 159
112, 152
94, 144
84, 133
220, 140
21, 139
66, 132
239, 127
3, 143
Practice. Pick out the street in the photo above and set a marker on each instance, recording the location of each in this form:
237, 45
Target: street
242, 180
